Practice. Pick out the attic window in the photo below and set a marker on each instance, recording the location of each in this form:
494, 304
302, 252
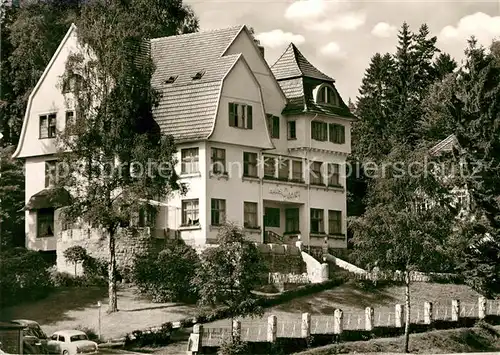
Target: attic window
71, 83
198, 75
326, 95
171, 79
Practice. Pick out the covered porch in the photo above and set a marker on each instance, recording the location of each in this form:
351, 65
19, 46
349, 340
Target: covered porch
283, 221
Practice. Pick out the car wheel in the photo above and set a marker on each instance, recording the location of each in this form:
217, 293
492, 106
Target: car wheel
65, 352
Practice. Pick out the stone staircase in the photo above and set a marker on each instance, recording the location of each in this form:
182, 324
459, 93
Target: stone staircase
282, 258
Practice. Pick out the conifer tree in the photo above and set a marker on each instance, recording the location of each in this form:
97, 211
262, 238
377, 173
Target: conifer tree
474, 107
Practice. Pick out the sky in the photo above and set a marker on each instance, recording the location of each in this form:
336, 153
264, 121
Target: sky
339, 37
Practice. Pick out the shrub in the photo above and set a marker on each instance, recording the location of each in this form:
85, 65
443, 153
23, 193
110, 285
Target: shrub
95, 268
228, 347
150, 337
23, 276
91, 333
61, 279
65, 279
166, 276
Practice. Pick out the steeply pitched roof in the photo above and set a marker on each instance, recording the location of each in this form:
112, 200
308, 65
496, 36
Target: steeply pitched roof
292, 64
188, 107
298, 78
49, 198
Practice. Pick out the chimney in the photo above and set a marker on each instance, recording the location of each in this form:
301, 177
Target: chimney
261, 47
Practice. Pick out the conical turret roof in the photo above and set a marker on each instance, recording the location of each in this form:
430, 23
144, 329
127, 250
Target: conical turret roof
293, 64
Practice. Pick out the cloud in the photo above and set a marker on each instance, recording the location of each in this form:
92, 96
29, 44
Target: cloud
305, 10
384, 30
480, 25
325, 15
277, 38
348, 22
332, 50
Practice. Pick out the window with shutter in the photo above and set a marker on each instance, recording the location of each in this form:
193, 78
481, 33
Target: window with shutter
240, 116
232, 114
249, 122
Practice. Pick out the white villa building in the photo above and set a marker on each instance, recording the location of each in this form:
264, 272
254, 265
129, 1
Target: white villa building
264, 147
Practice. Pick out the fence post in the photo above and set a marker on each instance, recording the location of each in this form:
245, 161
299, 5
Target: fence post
272, 325
400, 314
369, 317
324, 272
338, 321
195, 340
298, 243
236, 330
481, 307
455, 310
306, 325
428, 315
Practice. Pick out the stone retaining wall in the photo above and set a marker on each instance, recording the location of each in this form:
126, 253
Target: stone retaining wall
129, 243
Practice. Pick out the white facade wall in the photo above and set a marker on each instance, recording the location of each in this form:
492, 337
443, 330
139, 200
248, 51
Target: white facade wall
249, 82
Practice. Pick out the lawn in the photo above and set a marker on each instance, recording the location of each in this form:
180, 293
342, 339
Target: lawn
70, 308
353, 299
78, 307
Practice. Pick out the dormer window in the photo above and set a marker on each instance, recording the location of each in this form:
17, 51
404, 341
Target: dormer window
326, 95
171, 79
199, 75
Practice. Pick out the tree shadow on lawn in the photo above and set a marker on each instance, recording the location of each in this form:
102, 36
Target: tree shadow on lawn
141, 303
162, 306
54, 307
346, 297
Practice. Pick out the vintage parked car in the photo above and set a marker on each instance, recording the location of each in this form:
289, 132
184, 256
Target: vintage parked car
34, 338
71, 342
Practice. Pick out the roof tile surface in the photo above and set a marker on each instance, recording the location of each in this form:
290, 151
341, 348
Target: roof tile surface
188, 107
292, 64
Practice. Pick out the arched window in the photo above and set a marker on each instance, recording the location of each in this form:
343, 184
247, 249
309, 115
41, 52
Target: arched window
326, 95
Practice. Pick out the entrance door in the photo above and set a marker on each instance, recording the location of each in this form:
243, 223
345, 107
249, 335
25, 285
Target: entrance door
292, 220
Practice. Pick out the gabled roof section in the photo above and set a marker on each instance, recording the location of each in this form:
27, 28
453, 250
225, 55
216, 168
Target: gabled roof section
22, 137
445, 145
293, 64
188, 107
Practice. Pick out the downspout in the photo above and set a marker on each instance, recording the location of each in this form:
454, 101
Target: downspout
261, 204
308, 211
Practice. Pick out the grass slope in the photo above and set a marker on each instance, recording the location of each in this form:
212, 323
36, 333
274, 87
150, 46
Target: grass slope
353, 299
463, 340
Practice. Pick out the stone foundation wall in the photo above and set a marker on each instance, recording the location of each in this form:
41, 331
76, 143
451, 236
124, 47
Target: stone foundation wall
129, 243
